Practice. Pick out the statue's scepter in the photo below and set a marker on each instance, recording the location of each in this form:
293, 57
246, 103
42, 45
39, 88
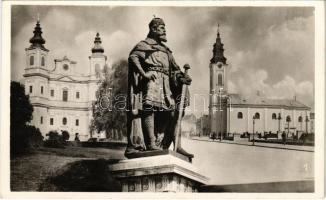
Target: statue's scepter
177, 132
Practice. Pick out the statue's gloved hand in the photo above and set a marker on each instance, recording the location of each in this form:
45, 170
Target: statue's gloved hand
184, 78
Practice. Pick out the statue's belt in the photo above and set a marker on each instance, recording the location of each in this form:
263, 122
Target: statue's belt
158, 69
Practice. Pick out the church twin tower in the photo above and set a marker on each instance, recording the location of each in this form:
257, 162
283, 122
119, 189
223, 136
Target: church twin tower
36, 57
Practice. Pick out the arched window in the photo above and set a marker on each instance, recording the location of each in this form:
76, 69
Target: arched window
288, 118
41, 89
65, 95
300, 119
240, 115
77, 122
274, 116
41, 120
257, 116
42, 61
97, 70
31, 60
64, 121
219, 79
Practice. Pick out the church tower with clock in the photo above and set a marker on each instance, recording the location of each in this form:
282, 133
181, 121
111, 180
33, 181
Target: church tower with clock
218, 88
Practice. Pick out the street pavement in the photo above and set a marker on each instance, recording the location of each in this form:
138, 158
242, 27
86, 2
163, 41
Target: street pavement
245, 141
239, 162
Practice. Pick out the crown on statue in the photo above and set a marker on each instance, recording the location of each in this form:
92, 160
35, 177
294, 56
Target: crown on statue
156, 22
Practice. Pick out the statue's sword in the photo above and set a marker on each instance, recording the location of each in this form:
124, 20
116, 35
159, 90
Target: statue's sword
181, 107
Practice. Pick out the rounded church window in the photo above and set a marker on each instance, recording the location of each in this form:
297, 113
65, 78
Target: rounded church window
300, 119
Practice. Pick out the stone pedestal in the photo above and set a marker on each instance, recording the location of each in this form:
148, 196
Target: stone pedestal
161, 173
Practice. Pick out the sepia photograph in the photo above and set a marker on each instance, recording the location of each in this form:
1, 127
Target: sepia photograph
207, 98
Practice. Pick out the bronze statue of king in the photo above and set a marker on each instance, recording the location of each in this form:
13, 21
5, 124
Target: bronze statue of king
154, 89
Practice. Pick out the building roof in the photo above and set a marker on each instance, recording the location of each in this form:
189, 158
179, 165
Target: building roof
261, 101
65, 58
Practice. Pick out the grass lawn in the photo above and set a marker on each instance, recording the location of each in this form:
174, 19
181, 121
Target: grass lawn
30, 171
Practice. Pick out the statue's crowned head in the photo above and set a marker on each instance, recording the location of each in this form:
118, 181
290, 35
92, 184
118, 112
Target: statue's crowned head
157, 29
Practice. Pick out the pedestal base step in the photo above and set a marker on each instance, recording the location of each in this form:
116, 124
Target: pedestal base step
162, 173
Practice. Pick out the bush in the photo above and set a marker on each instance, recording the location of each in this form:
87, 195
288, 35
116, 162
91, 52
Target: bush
23, 139
65, 136
54, 140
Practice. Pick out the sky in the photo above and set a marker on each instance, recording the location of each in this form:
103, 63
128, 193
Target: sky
268, 49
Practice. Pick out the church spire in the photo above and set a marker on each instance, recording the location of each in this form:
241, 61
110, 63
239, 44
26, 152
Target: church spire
97, 45
218, 50
37, 40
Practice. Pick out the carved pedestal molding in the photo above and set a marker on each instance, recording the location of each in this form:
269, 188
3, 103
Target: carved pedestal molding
163, 173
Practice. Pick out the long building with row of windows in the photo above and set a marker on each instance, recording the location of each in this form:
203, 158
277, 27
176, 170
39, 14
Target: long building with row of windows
61, 96
233, 113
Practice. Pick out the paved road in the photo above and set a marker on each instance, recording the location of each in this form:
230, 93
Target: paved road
227, 163
260, 144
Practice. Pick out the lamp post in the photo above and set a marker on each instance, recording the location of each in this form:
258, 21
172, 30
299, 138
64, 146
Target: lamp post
279, 122
288, 120
230, 109
300, 120
307, 120
253, 130
220, 111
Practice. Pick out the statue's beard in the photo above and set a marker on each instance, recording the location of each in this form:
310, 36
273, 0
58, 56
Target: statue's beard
162, 38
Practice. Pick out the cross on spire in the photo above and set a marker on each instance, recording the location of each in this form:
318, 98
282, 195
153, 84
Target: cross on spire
218, 28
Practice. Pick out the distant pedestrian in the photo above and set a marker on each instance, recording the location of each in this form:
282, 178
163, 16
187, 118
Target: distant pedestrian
77, 137
284, 137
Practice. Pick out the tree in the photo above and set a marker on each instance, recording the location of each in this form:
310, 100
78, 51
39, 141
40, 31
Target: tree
109, 108
21, 109
23, 137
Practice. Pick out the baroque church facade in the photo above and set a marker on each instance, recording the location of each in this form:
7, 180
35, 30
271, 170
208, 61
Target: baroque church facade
234, 113
62, 97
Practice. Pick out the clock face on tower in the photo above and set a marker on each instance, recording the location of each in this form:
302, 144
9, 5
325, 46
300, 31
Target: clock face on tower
65, 67
219, 65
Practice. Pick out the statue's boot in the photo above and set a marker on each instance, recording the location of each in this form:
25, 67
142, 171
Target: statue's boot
153, 147
183, 152
130, 151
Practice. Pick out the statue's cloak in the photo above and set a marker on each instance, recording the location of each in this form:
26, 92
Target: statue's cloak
137, 86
